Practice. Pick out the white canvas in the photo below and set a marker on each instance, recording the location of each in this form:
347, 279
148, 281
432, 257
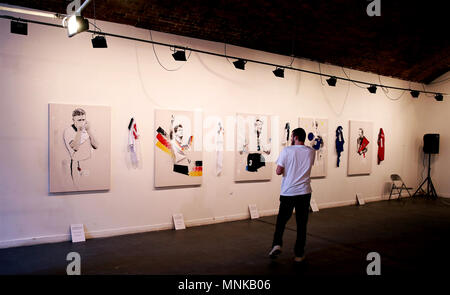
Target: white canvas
360, 147
253, 148
79, 148
178, 148
317, 138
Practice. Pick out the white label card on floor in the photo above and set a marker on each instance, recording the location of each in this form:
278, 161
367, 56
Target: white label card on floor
77, 232
313, 205
360, 198
253, 211
178, 221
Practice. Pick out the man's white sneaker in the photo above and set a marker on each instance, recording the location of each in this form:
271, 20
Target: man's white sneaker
276, 250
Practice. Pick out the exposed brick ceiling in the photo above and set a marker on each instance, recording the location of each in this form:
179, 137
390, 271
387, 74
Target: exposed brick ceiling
409, 40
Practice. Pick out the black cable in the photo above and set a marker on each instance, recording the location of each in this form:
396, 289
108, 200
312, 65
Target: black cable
351, 79
386, 91
100, 30
157, 58
320, 71
226, 56
426, 93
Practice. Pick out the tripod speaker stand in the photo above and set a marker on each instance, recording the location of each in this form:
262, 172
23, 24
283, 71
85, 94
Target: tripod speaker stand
430, 146
431, 191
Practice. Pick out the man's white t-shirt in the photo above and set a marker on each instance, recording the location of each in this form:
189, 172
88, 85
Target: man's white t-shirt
297, 161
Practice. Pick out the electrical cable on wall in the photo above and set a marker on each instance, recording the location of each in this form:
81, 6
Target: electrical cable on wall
225, 51
426, 94
157, 58
348, 77
386, 91
138, 66
320, 71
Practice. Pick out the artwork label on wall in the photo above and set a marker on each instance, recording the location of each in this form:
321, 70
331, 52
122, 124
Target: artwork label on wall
317, 138
79, 148
360, 148
253, 148
178, 148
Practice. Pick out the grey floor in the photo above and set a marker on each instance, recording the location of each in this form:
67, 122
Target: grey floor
412, 236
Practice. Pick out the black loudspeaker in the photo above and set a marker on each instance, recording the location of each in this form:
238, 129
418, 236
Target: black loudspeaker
431, 143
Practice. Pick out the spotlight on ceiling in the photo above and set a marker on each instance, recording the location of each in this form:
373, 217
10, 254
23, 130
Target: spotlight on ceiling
179, 55
240, 64
415, 93
99, 42
332, 81
278, 72
439, 97
372, 89
19, 28
76, 24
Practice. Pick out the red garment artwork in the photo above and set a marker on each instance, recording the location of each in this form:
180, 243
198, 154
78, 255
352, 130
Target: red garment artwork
363, 143
380, 146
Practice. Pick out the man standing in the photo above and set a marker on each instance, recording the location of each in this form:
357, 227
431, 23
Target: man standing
79, 142
294, 163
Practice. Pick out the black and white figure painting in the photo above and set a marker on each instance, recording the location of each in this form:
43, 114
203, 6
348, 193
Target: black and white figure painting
286, 135
253, 148
317, 138
360, 148
178, 148
80, 152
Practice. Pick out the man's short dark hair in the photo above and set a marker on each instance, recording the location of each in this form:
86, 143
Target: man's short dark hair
78, 112
300, 133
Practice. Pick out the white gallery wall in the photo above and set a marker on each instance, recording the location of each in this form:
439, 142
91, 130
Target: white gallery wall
48, 67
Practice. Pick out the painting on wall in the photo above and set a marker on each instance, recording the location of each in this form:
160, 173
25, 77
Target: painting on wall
178, 148
360, 148
286, 137
79, 148
253, 159
339, 144
317, 138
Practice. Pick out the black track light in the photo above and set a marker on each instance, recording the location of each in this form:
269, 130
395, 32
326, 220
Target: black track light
372, 89
279, 72
179, 55
439, 97
332, 81
76, 24
415, 93
19, 28
99, 42
240, 64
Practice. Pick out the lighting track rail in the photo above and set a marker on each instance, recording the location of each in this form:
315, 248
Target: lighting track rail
370, 84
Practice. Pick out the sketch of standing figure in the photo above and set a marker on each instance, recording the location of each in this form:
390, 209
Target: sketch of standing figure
80, 142
259, 146
339, 143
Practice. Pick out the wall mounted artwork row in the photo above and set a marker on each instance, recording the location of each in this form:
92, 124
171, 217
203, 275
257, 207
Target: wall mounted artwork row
80, 147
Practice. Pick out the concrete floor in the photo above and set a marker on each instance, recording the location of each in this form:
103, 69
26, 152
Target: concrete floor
412, 237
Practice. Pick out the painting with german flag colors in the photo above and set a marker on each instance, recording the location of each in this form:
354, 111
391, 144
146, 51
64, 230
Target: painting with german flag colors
178, 148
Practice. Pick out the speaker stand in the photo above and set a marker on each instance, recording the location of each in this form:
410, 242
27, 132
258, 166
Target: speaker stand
430, 192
